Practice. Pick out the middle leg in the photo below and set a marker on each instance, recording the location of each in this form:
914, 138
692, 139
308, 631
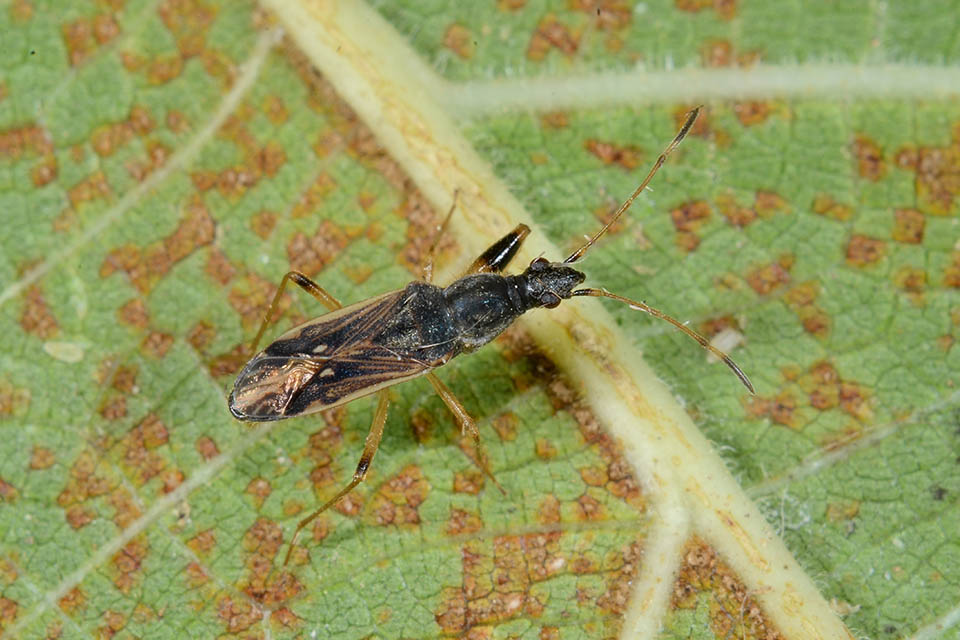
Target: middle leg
467, 425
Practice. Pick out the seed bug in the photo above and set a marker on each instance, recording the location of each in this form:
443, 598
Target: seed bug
368, 346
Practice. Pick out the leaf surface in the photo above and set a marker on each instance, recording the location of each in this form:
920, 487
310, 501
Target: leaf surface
163, 164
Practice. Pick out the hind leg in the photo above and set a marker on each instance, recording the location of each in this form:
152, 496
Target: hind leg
369, 450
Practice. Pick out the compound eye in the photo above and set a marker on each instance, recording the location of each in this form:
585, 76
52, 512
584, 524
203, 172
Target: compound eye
539, 263
550, 300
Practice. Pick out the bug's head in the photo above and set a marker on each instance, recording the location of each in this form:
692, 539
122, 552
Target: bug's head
548, 283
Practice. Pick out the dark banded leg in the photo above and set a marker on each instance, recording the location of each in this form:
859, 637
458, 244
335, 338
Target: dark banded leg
467, 425
370, 447
500, 253
304, 283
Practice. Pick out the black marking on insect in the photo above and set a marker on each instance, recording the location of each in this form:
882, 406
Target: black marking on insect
368, 346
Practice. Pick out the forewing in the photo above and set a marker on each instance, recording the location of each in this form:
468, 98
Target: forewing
321, 364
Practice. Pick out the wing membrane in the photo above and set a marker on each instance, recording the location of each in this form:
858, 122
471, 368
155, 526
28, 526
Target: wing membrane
322, 364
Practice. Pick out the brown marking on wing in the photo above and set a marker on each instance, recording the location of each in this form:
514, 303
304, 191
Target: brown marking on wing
323, 363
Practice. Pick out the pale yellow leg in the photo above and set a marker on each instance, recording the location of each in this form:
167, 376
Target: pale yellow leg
467, 425
369, 449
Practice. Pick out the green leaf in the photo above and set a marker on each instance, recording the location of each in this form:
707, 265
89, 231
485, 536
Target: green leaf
163, 164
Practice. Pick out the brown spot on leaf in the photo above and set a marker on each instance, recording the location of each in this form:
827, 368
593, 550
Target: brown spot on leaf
203, 542
825, 205
77, 516
218, 267
29, 138
496, 586
8, 492
608, 15
688, 219
114, 408
545, 449
75, 600
555, 120
951, 273
206, 447
41, 458
237, 616
36, 318
910, 279
780, 408
134, 313
138, 448
128, 564
733, 612
263, 223
870, 162
85, 35
84, 482
188, 22
284, 618
14, 401
726, 9
843, 511
113, 623
109, 138
125, 509
594, 476
801, 299
399, 498
717, 53
737, 215
938, 173
201, 335
459, 40
863, 250
627, 156
91, 188
145, 267
156, 344
44, 172
125, 379
767, 278
351, 504
753, 112
170, 479
908, 226
552, 34
461, 522
469, 481
549, 511
260, 489
311, 254
589, 509
275, 109
21, 10
505, 424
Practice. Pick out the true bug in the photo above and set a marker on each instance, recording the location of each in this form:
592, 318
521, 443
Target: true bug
368, 346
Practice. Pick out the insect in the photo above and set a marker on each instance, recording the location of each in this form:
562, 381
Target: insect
366, 347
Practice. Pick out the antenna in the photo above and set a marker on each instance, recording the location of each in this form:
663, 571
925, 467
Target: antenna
691, 117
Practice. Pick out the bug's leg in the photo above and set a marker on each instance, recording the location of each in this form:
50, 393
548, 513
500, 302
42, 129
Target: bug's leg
467, 425
500, 253
370, 447
304, 283
427, 273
